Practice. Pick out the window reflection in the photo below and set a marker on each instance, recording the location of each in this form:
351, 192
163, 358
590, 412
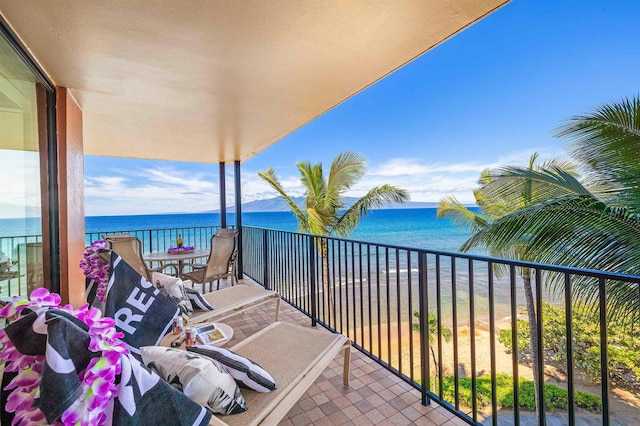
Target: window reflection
20, 199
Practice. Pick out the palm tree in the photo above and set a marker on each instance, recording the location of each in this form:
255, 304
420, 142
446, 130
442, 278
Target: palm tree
594, 225
432, 332
590, 223
323, 211
503, 192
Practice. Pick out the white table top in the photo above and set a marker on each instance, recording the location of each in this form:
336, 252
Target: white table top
163, 256
226, 329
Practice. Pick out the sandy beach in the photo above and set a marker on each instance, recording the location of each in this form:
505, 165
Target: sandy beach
624, 405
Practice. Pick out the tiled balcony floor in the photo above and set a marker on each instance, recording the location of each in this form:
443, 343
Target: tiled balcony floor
374, 397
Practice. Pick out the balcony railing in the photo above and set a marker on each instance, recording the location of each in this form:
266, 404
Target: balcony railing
20, 264
163, 238
430, 317
398, 305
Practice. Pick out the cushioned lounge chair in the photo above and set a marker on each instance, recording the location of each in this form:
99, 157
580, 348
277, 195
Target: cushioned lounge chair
294, 356
234, 300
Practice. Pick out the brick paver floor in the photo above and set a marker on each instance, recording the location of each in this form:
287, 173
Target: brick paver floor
374, 397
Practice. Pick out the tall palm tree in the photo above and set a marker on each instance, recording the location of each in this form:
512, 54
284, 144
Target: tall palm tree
500, 193
323, 212
595, 225
432, 332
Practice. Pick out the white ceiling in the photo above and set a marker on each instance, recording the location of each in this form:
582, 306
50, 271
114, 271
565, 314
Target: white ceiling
211, 81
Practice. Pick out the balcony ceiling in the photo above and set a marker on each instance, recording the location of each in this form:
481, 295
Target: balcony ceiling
211, 81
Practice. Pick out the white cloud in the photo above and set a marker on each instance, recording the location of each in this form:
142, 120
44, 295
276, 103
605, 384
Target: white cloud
20, 183
150, 190
175, 189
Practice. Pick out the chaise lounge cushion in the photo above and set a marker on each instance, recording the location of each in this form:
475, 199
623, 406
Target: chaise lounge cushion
173, 288
200, 378
247, 373
197, 300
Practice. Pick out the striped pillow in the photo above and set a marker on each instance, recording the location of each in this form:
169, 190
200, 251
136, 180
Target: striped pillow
197, 300
247, 373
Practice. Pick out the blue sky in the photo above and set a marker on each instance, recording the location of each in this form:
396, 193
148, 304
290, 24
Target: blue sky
490, 96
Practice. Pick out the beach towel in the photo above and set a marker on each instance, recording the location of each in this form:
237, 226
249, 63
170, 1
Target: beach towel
142, 397
140, 311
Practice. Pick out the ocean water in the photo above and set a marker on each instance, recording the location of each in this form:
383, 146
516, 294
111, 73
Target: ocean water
417, 228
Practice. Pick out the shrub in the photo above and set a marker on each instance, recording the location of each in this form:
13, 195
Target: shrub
555, 397
624, 347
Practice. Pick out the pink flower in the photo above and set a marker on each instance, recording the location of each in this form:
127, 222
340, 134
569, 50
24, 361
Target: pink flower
12, 308
95, 268
42, 298
97, 380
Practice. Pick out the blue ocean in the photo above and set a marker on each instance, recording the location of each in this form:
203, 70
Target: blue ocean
418, 228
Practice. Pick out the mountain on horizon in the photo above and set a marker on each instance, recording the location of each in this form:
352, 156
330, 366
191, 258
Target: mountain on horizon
277, 204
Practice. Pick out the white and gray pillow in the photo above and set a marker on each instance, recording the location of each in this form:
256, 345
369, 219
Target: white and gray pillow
173, 288
200, 378
197, 300
246, 373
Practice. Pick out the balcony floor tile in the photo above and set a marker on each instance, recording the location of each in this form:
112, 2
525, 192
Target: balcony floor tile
372, 398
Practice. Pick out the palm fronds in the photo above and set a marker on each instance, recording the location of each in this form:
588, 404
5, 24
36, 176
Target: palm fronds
376, 197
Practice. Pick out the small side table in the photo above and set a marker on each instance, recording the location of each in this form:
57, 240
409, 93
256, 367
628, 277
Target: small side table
226, 329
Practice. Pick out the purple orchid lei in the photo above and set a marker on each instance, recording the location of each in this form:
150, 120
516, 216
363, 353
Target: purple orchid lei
97, 380
180, 249
95, 268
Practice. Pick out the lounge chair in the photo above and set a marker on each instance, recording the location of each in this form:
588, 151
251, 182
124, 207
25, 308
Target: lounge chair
294, 356
234, 300
223, 246
130, 250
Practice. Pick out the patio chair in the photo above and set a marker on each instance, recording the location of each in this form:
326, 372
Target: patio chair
130, 249
223, 246
234, 256
295, 357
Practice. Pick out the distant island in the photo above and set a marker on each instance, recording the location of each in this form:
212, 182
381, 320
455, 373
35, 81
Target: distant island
277, 204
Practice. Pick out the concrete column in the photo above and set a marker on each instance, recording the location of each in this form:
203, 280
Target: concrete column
238, 192
71, 198
223, 197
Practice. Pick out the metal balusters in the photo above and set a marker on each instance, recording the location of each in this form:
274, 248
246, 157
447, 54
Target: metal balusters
472, 344
454, 312
540, 347
398, 311
492, 346
410, 314
568, 309
514, 345
604, 351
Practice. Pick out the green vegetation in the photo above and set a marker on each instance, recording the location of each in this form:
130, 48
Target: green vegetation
496, 202
432, 333
591, 222
555, 397
624, 347
545, 213
323, 213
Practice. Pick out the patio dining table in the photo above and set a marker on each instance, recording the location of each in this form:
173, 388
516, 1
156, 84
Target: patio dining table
163, 256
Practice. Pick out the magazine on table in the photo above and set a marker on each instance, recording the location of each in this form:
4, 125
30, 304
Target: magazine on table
209, 334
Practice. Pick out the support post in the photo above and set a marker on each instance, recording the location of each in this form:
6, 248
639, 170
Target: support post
238, 193
223, 197
265, 258
312, 281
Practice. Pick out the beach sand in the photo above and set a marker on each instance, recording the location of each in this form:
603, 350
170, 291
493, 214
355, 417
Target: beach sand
624, 405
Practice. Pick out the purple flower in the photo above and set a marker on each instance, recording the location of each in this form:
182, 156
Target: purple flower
95, 268
179, 249
97, 380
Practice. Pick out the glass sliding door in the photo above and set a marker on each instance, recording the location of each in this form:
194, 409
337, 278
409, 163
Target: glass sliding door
21, 250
